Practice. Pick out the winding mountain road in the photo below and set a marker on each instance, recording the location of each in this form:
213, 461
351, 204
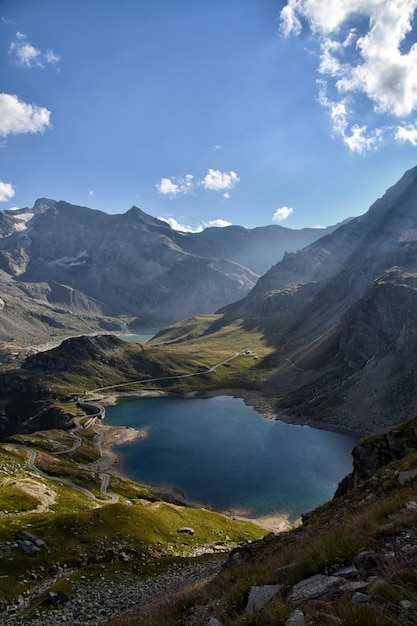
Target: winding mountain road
111, 498
78, 440
96, 410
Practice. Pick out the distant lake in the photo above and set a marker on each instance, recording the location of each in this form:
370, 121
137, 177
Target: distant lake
136, 338
223, 455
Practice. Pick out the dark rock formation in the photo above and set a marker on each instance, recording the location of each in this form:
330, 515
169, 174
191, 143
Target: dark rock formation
373, 453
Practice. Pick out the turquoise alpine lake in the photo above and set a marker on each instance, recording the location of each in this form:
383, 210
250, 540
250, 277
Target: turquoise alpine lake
225, 456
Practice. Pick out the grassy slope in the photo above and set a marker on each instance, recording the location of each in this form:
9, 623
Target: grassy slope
80, 533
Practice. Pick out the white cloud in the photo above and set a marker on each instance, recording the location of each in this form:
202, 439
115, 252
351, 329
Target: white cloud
376, 62
407, 133
282, 213
357, 138
214, 180
166, 186
175, 186
26, 55
91, 192
17, 117
217, 147
6, 191
52, 57
362, 139
176, 225
219, 223
217, 180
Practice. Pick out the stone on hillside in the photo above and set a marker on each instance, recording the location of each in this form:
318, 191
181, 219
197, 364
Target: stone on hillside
350, 572
405, 605
28, 547
29, 543
295, 619
186, 530
314, 587
213, 621
407, 475
354, 585
259, 597
360, 598
367, 562
39, 543
57, 597
24, 535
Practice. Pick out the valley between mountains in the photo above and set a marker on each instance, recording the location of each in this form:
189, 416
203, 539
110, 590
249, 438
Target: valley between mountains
319, 331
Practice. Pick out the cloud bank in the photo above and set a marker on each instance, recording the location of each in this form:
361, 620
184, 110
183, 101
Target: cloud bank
367, 53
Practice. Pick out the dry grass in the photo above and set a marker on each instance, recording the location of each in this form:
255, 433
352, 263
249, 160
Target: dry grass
166, 608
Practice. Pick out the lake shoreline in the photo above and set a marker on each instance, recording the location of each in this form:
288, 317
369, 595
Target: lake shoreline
255, 399
109, 437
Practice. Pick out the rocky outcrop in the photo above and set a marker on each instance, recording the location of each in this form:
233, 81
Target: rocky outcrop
373, 453
74, 352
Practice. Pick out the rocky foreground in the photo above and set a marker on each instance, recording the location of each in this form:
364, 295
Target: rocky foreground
94, 602
364, 581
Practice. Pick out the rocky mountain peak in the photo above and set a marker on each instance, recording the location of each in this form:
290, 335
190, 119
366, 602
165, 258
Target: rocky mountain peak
137, 216
43, 204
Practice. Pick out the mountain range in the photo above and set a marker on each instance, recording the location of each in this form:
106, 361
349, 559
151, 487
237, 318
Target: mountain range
70, 268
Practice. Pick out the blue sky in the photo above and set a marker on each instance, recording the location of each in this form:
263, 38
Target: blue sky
250, 112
